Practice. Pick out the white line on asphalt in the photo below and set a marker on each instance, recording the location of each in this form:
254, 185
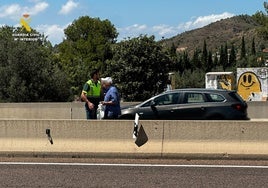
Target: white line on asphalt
133, 165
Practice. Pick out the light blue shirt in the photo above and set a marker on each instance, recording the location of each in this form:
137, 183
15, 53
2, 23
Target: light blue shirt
112, 111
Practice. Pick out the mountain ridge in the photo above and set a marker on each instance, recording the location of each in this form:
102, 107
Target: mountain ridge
230, 30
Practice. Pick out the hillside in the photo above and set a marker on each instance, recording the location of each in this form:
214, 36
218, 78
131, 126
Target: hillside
228, 30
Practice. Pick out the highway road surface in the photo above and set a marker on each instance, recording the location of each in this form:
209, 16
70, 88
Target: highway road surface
56, 172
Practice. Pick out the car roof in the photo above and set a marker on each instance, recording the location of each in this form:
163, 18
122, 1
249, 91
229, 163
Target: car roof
198, 90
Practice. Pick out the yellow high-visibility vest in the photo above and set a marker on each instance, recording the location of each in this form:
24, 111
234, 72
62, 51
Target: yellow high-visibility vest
94, 89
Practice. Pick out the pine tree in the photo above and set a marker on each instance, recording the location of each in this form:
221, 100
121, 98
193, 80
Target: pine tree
253, 50
196, 61
243, 49
224, 57
232, 57
210, 62
216, 60
204, 58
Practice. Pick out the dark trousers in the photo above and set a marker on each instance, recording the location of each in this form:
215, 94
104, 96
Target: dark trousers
91, 114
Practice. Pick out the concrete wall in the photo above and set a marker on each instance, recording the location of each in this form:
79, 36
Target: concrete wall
256, 110
180, 139
37, 110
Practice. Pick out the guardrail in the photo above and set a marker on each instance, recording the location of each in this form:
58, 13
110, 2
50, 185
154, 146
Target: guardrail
75, 110
166, 139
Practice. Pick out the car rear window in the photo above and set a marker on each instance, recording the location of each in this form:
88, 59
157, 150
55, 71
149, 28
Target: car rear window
215, 97
194, 98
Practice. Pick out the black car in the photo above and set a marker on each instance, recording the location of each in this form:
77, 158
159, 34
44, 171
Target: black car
191, 104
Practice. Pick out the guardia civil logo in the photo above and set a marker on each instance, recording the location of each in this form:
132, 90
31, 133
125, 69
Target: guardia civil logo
25, 22
26, 33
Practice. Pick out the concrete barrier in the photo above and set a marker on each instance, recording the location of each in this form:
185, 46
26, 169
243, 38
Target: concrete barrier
75, 138
76, 110
258, 109
64, 110
167, 139
36, 110
218, 139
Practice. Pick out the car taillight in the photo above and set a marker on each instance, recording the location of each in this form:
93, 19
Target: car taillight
239, 107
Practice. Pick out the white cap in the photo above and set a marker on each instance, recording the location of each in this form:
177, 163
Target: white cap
107, 80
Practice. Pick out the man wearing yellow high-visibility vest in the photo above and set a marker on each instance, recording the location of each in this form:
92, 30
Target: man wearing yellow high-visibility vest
91, 94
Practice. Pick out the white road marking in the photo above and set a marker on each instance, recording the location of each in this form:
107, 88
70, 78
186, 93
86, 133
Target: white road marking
133, 165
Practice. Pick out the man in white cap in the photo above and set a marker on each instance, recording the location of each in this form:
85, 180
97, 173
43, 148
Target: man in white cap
111, 99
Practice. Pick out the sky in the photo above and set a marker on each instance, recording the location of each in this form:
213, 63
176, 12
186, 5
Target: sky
131, 18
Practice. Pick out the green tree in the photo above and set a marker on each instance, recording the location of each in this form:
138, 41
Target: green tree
186, 61
204, 57
242, 62
27, 72
191, 79
173, 51
139, 68
216, 60
232, 57
87, 46
174, 58
180, 64
195, 60
243, 49
210, 62
223, 57
262, 19
253, 49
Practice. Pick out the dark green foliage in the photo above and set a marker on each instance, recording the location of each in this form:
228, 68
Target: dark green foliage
139, 68
196, 60
243, 49
253, 50
27, 72
87, 46
232, 57
216, 60
204, 58
189, 79
210, 63
262, 19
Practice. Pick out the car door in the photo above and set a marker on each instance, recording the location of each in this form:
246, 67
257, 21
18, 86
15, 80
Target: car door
164, 106
194, 106
145, 111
